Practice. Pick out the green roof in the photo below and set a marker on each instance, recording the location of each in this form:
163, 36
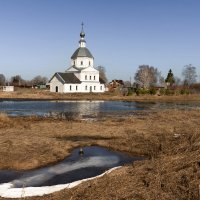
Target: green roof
82, 52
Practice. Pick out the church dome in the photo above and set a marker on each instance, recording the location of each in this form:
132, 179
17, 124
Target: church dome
82, 34
82, 52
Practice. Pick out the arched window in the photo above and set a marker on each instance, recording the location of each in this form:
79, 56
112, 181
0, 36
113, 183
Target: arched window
101, 88
81, 62
56, 88
90, 77
85, 77
86, 87
76, 87
70, 87
94, 77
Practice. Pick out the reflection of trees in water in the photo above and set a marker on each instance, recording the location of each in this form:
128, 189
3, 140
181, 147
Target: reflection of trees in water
69, 116
166, 105
89, 110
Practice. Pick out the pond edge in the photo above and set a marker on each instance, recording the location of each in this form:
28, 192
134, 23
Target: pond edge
7, 191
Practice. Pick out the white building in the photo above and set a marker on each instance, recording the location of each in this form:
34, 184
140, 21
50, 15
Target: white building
8, 88
81, 76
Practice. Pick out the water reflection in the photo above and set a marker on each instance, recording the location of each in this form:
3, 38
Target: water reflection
83, 109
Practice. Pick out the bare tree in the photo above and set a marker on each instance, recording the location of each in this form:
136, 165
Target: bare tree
146, 76
17, 80
102, 73
177, 80
2, 79
127, 83
160, 79
39, 80
189, 74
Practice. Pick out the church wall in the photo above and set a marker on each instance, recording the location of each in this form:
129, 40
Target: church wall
55, 83
78, 75
85, 61
71, 88
84, 87
89, 76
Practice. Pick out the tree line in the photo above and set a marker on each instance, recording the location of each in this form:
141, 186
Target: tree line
148, 79
18, 81
145, 77
148, 76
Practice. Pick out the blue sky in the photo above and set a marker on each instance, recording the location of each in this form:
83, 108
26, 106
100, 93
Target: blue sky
38, 37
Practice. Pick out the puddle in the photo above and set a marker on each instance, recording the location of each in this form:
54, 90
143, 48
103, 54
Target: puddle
95, 161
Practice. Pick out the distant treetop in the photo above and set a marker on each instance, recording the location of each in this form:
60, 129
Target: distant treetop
170, 78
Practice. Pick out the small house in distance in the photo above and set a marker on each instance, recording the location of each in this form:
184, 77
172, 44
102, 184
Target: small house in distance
8, 88
114, 84
81, 76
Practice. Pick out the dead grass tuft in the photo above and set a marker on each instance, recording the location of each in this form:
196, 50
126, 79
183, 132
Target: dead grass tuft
4, 117
5, 121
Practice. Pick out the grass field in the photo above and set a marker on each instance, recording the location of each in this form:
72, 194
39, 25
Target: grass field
24, 93
170, 139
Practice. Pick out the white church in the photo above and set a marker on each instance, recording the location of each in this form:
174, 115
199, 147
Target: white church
81, 76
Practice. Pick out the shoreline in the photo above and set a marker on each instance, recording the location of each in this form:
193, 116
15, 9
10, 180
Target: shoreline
7, 191
47, 96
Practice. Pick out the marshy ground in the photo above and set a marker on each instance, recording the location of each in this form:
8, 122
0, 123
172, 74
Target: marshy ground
170, 139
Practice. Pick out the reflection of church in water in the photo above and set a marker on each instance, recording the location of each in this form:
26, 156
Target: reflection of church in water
81, 76
79, 110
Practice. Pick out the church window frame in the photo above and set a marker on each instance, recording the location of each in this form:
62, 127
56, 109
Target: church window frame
86, 87
76, 87
90, 77
70, 87
81, 62
94, 87
85, 77
94, 78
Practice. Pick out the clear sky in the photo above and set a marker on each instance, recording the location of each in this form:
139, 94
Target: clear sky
38, 37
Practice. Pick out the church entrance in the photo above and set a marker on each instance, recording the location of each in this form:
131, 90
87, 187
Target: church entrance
56, 88
90, 88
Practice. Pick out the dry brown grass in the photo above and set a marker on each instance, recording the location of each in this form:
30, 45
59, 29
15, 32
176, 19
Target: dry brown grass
24, 93
171, 138
5, 121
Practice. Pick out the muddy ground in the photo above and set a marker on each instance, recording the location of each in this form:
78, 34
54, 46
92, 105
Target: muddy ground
170, 139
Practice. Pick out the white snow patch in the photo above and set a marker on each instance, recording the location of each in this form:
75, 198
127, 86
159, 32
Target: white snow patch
7, 190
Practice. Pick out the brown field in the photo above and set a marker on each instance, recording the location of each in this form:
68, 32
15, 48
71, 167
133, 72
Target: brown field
24, 93
170, 138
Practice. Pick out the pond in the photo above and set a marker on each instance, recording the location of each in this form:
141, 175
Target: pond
94, 161
83, 108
